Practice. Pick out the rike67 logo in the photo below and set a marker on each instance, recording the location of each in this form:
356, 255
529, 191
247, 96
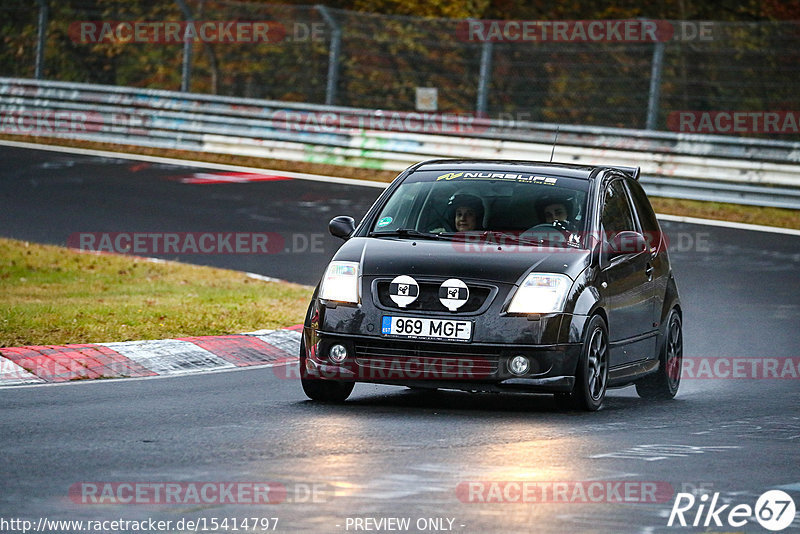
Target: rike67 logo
774, 510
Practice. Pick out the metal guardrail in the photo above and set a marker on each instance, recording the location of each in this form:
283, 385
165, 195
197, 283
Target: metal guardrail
704, 167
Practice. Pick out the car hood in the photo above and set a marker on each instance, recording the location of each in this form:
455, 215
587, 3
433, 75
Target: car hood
457, 259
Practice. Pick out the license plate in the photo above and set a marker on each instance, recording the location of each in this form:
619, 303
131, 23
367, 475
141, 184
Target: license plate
424, 328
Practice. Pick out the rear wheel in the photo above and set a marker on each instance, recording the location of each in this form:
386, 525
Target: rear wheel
664, 383
319, 389
591, 378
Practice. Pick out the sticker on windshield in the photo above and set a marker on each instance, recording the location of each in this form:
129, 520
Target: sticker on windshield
510, 176
384, 222
449, 176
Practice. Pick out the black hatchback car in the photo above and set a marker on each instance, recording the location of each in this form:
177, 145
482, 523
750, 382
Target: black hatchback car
493, 276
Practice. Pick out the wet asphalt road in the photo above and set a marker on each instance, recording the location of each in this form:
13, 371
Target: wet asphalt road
390, 452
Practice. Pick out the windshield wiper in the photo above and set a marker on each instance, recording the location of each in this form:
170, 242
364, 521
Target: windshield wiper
406, 232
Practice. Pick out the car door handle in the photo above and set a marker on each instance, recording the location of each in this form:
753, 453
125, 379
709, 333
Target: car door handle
649, 272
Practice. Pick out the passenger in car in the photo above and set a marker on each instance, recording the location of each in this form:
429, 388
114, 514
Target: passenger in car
467, 212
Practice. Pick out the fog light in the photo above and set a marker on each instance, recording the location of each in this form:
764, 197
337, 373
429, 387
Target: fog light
519, 365
338, 353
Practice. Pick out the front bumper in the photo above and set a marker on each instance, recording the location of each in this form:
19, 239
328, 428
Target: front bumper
448, 365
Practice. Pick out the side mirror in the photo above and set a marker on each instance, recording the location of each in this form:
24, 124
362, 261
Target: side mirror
625, 243
342, 226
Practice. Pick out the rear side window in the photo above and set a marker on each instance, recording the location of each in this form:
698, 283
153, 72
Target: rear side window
617, 216
644, 209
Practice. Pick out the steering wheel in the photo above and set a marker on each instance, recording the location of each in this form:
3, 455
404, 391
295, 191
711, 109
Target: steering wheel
565, 227
544, 232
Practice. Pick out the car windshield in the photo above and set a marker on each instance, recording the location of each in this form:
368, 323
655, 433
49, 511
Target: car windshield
529, 208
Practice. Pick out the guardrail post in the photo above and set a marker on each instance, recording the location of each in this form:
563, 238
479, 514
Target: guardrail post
484, 78
41, 39
186, 68
655, 86
333, 55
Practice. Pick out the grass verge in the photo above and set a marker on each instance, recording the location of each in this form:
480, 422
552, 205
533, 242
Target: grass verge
53, 295
780, 217
721, 211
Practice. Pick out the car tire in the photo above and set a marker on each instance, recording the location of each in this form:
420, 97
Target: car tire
322, 390
591, 377
664, 383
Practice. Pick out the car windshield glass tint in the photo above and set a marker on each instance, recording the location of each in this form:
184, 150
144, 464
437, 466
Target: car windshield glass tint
534, 208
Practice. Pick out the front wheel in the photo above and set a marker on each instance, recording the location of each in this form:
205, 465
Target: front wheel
326, 390
321, 390
591, 378
663, 384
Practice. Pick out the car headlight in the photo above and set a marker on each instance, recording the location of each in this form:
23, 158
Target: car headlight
340, 282
541, 293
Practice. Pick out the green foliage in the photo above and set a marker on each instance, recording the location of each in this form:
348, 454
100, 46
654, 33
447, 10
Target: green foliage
390, 47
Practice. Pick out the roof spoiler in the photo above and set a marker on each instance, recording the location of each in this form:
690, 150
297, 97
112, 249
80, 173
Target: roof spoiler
632, 171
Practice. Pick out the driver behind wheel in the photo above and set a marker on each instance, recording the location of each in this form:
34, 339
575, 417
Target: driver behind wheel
557, 211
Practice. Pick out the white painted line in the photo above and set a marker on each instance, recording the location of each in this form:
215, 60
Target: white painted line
12, 374
655, 452
191, 163
337, 180
263, 332
169, 356
263, 278
728, 224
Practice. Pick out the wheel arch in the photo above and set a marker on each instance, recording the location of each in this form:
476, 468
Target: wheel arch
671, 299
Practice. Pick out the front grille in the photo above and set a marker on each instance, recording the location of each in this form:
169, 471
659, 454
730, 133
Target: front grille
428, 299
412, 360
